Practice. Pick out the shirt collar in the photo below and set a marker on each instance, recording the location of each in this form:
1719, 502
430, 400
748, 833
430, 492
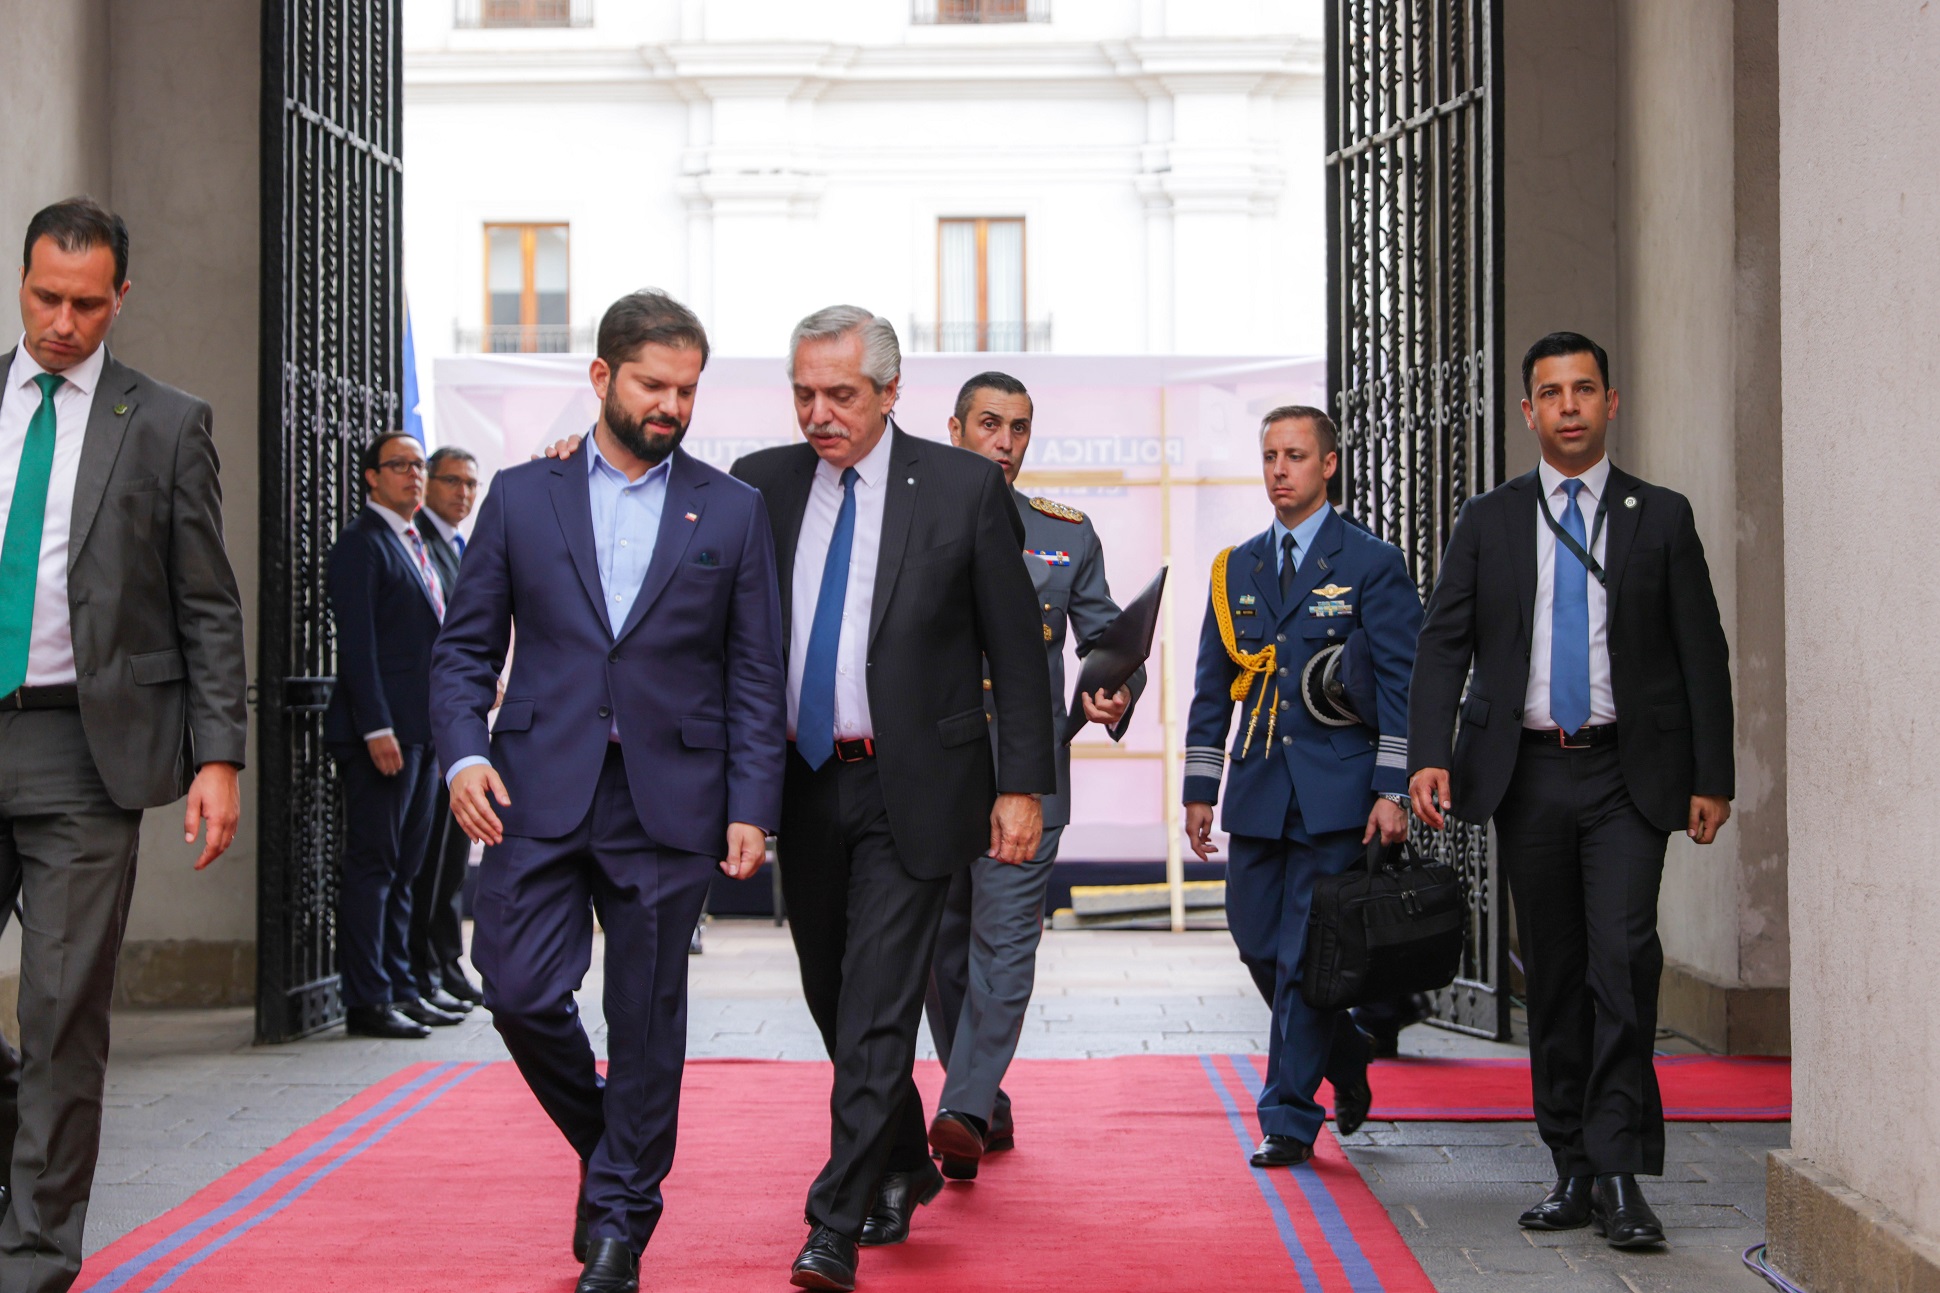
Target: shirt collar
1303, 533
1593, 480
874, 467
446, 532
596, 464
83, 377
398, 524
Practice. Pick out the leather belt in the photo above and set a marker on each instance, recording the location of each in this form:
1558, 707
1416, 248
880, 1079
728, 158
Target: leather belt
1583, 738
61, 697
855, 751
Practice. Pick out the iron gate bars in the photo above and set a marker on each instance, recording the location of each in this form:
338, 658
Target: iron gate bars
1414, 245
332, 323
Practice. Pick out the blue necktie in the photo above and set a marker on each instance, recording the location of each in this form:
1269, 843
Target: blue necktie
458, 541
1288, 566
815, 720
1569, 625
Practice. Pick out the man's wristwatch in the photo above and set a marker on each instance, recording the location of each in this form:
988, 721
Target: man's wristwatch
1397, 798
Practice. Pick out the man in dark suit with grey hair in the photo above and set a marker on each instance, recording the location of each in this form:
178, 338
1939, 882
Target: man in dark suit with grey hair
122, 673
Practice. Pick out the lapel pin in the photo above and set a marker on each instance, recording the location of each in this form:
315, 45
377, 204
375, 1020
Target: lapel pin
1630, 500
912, 480
693, 516
120, 409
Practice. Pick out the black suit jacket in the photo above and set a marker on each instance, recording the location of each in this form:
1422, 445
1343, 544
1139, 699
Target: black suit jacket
1668, 660
444, 556
385, 628
951, 592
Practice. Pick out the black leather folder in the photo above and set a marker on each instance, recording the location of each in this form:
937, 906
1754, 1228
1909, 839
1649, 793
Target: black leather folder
1111, 658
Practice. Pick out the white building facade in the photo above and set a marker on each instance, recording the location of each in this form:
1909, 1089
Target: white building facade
1071, 176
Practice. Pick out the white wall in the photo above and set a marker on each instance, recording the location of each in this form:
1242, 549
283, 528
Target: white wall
764, 159
1860, 200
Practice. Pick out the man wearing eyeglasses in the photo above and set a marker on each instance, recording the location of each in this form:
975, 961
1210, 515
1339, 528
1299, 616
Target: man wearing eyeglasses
388, 602
437, 931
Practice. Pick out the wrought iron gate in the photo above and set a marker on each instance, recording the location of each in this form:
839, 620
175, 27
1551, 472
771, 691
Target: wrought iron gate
332, 320
1414, 241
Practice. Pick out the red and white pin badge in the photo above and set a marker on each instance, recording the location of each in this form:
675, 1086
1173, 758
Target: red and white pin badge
693, 516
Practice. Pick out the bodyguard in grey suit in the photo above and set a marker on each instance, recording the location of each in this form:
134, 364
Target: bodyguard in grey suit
986, 949
121, 686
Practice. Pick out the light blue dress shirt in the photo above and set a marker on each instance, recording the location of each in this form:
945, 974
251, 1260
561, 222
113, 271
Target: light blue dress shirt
1303, 537
626, 528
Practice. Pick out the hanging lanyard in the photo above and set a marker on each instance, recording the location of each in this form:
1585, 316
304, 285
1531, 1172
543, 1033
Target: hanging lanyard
1568, 540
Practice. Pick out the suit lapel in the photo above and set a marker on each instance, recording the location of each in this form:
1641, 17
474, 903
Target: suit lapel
680, 515
114, 408
1258, 564
790, 504
898, 507
572, 503
1525, 496
1317, 567
1622, 519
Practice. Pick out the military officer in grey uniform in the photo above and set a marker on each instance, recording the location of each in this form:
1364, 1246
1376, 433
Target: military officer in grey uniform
986, 949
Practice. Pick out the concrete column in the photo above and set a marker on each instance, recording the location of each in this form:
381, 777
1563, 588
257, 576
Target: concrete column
1856, 1202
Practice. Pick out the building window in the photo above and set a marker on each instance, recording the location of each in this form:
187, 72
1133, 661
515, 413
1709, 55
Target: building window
980, 284
524, 13
526, 289
926, 12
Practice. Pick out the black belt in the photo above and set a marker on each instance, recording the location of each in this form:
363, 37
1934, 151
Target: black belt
67, 697
855, 751
1583, 738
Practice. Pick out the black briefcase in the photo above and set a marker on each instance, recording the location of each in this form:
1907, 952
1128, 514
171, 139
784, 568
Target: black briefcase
1393, 928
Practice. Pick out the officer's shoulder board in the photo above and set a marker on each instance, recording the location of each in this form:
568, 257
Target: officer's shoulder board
1058, 510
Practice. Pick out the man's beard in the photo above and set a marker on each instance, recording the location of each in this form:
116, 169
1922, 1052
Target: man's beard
651, 447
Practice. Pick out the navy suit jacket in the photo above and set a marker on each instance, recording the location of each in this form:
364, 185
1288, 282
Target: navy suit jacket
694, 675
385, 628
1347, 580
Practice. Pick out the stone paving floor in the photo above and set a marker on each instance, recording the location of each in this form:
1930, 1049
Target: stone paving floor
190, 1098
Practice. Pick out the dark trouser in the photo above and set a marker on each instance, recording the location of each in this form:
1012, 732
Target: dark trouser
864, 929
982, 974
532, 942
68, 853
437, 931
387, 820
1269, 887
1584, 866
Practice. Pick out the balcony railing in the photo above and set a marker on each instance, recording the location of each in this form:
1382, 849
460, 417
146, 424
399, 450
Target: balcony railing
953, 338
525, 339
524, 13
926, 13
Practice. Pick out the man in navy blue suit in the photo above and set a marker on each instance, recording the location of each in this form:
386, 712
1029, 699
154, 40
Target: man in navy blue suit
387, 601
1302, 796
639, 743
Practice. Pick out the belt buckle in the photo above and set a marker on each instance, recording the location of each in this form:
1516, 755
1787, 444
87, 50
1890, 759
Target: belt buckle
867, 747
1563, 741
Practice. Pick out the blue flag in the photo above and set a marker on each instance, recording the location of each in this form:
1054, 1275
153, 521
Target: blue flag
413, 423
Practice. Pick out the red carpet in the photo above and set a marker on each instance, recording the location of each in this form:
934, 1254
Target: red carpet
1130, 1174
1696, 1088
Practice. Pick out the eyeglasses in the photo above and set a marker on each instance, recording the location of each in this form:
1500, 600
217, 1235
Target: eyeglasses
456, 482
403, 466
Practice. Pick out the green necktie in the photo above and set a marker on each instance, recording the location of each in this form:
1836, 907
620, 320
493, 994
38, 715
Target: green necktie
20, 554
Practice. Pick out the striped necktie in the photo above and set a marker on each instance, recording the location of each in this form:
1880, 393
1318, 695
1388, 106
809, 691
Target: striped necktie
425, 572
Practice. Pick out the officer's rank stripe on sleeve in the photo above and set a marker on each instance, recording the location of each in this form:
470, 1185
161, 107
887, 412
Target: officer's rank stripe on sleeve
1205, 761
1393, 753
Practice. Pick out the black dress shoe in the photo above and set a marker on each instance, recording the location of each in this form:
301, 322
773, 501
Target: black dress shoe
455, 982
1620, 1215
611, 1267
826, 1261
1565, 1207
423, 1012
957, 1139
1003, 1129
582, 1218
1351, 1106
381, 1021
897, 1195
1282, 1151
439, 999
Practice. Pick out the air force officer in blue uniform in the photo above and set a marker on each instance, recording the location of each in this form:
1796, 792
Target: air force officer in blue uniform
639, 743
1303, 798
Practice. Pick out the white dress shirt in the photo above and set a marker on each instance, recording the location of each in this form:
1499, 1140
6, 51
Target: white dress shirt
399, 524
852, 719
1535, 701
50, 648
446, 531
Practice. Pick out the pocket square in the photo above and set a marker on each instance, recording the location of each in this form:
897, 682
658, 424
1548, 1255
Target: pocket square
707, 559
